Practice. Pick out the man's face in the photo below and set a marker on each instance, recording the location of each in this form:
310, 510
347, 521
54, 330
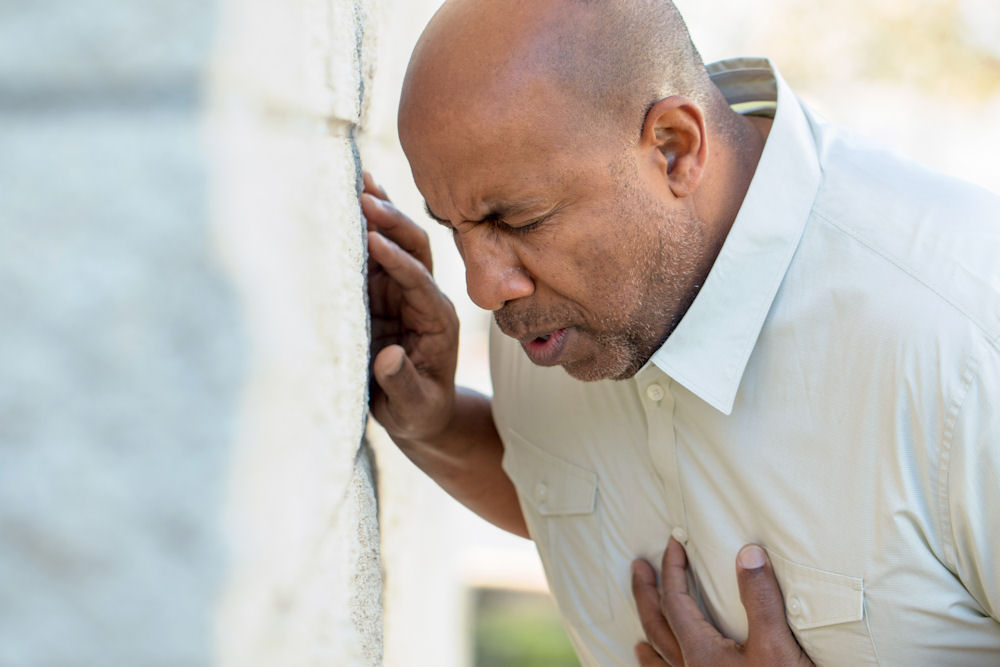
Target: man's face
576, 246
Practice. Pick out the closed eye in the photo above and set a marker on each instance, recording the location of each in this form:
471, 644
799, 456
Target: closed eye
518, 230
430, 214
495, 221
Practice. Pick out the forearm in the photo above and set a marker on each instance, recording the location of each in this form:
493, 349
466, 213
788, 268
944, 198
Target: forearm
465, 461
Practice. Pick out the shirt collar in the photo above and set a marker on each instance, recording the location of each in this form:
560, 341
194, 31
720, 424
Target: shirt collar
709, 349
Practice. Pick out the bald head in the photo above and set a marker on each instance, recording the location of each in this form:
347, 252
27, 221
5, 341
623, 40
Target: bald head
598, 62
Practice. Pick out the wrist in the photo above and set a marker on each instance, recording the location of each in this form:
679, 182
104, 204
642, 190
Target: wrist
458, 429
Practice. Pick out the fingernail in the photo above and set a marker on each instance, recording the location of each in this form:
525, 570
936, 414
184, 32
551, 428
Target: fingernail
751, 557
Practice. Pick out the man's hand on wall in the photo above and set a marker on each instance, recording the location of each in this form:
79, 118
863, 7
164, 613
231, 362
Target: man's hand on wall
678, 633
414, 326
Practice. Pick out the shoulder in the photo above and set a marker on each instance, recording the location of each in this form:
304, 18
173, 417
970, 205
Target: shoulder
939, 236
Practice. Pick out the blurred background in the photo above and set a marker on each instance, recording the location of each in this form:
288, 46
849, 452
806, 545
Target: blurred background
175, 301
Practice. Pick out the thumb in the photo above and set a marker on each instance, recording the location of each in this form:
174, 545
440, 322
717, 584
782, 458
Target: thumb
761, 597
396, 375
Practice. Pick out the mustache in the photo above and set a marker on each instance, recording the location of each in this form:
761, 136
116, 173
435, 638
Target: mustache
519, 320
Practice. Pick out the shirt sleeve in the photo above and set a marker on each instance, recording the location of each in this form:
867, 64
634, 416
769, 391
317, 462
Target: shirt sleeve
972, 484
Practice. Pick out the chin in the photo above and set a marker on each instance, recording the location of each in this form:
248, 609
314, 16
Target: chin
594, 370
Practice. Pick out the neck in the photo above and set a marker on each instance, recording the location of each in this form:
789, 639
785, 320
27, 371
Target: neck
737, 144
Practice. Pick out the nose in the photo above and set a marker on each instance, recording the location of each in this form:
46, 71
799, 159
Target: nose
493, 272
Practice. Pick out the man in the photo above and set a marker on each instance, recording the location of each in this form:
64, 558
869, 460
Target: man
768, 333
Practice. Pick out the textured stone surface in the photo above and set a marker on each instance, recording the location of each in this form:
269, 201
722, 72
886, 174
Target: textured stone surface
306, 57
288, 94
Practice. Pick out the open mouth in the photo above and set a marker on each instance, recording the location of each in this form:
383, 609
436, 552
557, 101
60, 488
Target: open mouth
546, 349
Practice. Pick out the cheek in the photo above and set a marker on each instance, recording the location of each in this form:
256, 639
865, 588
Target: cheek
608, 259
596, 273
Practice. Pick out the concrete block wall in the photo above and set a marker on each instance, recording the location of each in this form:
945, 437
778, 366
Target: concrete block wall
288, 99
183, 341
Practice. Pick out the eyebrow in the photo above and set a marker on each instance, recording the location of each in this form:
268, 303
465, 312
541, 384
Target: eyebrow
498, 211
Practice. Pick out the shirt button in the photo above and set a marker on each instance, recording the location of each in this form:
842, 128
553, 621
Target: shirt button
794, 606
680, 535
655, 392
541, 492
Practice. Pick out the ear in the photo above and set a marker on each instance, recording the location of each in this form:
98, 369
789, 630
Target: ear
674, 134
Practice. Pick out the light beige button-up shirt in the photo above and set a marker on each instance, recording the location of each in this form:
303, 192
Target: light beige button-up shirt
832, 394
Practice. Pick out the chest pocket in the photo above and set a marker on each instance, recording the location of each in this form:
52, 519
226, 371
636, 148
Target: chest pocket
560, 502
826, 612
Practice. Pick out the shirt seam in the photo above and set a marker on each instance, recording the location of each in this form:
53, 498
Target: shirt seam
969, 374
871, 635
992, 337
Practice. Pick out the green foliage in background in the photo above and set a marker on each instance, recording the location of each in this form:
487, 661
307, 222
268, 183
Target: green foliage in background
519, 629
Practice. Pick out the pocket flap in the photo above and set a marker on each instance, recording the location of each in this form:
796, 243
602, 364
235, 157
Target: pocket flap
551, 485
814, 598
